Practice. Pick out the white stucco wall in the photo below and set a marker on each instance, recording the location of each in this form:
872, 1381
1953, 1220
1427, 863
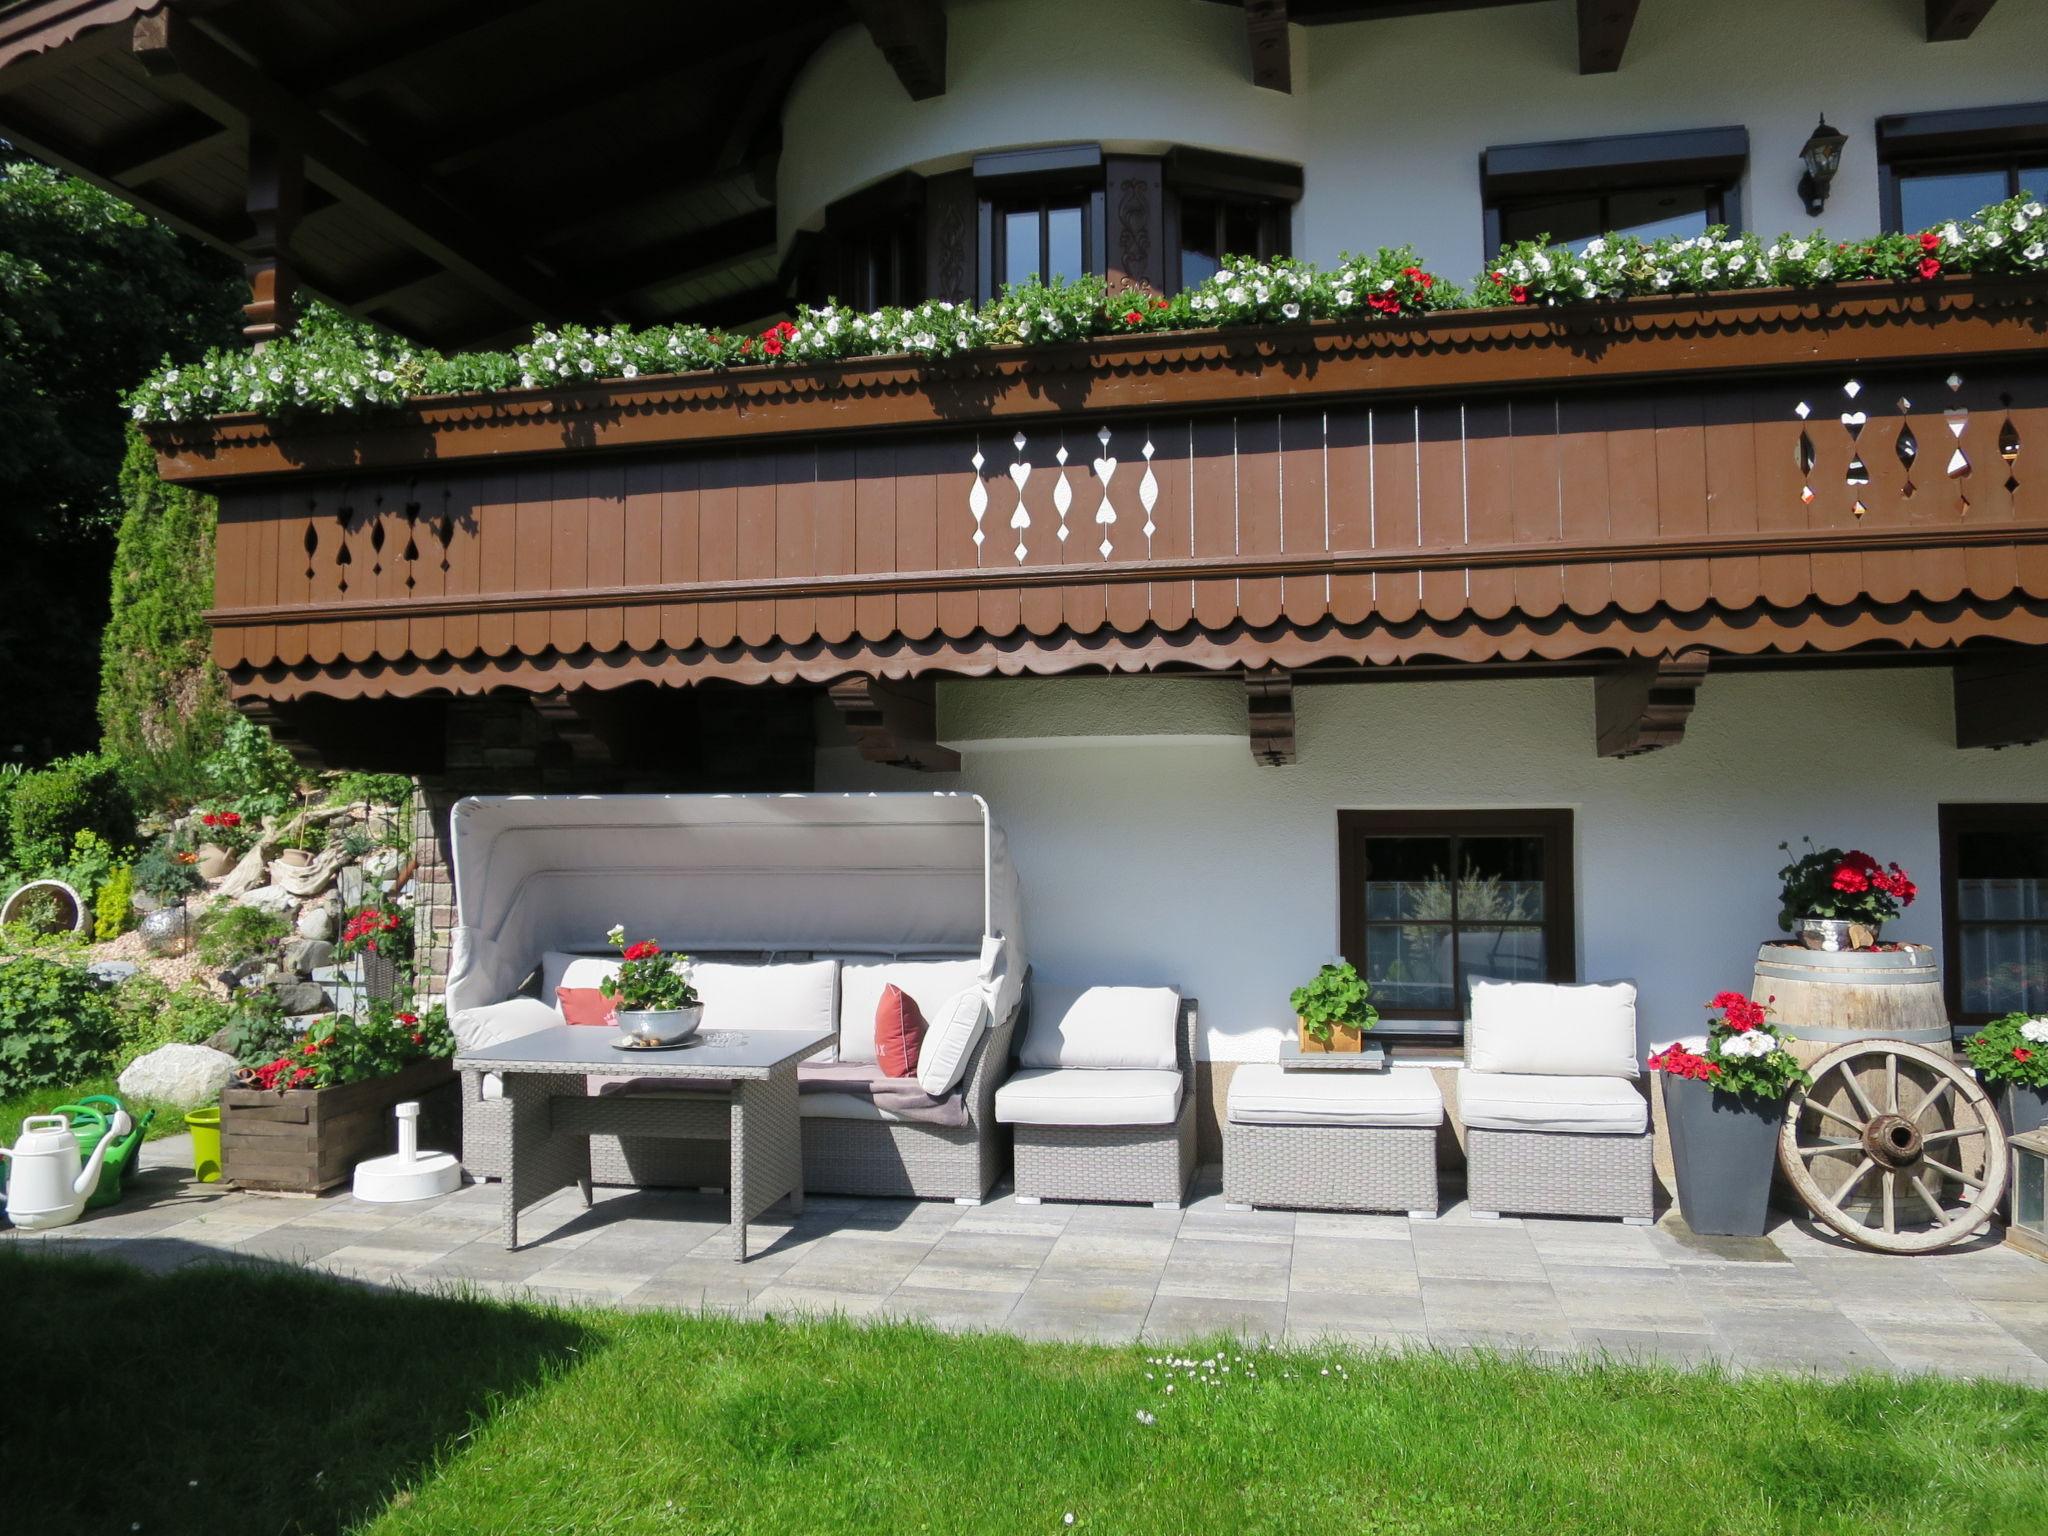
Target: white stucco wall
1175, 858
1388, 117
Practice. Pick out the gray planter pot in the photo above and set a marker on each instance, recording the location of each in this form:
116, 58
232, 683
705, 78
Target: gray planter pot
2021, 1108
1724, 1146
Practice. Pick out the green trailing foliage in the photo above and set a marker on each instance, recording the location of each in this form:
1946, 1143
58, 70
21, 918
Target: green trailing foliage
230, 934
47, 809
147, 1014
251, 772
113, 908
163, 705
56, 1026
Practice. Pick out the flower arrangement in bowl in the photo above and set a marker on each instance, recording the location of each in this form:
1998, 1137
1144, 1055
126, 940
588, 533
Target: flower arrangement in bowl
1835, 899
1724, 1102
1331, 1011
2011, 1055
656, 1004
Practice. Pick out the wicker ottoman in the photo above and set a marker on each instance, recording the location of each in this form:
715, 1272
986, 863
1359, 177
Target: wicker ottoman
1332, 1141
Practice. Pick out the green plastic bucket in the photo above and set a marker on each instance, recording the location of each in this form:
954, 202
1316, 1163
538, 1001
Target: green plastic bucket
205, 1127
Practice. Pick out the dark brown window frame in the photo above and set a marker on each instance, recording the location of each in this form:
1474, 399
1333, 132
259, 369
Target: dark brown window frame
1554, 825
1966, 139
1952, 819
1512, 175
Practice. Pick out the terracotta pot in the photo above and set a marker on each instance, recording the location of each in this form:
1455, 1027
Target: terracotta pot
297, 858
215, 861
1341, 1039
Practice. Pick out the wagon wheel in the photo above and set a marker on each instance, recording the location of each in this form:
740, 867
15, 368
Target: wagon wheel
1883, 1136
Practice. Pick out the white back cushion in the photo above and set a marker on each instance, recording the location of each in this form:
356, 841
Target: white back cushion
558, 969
949, 1036
475, 1028
785, 995
1102, 1027
1553, 1030
928, 983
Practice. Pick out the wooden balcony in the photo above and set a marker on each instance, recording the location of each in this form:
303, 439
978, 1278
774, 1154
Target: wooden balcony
1756, 474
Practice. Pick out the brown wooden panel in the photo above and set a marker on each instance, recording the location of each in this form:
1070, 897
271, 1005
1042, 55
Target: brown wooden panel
718, 544
388, 540
1682, 494
1215, 516
881, 542
569, 630
1259, 513
754, 554
1728, 448
1348, 491
606, 511
796, 474
1535, 513
835, 540
1889, 576
1000, 607
533, 555
1837, 573
1489, 500
959, 612
2027, 443
683, 543
1978, 499
916, 502
1085, 605
365, 516
1304, 512
1785, 579
1443, 501
1587, 586
1173, 601
1127, 605
1632, 496
433, 570
1941, 573
645, 551
297, 516
1396, 504
1040, 608
231, 571
497, 541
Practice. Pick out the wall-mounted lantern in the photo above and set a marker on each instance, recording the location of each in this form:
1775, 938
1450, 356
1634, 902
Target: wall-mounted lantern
1822, 157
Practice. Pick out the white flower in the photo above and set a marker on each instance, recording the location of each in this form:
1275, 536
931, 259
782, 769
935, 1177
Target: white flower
1541, 263
1993, 239
1146, 1418
1596, 246
1291, 310
1662, 279
1344, 296
1762, 1042
2032, 210
2035, 251
1710, 269
2035, 1030
1736, 262
617, 934
1799, 249
1951, 235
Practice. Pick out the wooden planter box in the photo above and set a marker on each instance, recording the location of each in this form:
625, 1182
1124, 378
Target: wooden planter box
305, 1140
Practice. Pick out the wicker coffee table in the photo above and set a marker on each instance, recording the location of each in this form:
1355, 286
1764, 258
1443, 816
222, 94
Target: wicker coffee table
744, 1085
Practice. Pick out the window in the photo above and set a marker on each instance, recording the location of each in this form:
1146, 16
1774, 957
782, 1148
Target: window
1934, 167
1994, 902
1221, 205
1649, 185
1041, 214
1431, 900
1046, 239
871, 251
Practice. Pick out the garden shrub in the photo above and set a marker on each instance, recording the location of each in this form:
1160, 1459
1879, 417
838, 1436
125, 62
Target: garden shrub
167, 871
11, 775
370, 788
231, 933
50, 807
89, 867
113, 908
56, 1026
251, 772
163, 705
148, 1014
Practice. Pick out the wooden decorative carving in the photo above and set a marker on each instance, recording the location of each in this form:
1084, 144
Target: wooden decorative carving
1265, 28
1269, 700
1644, 705
894, 723
2002, 699
1137, 247
949, 222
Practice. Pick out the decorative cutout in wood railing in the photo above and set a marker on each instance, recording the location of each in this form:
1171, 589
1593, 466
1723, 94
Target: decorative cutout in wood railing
1020, 520
1906, 446
343, 517
1062, 495
1105, 468
2009, 446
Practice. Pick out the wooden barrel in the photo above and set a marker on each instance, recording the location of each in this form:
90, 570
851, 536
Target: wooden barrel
1828, 998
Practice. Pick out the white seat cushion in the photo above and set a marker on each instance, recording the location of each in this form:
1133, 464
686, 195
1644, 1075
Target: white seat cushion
1102, 1027
1529, 1101
928, 983
1542, 1027
475, 1028
1089, 1096
1262, 1093
491, 1086
784, 995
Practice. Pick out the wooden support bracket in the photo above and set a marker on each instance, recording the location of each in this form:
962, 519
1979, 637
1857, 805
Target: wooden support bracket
1265, 29
1269, 700
894, 723
1645, 704
577, 726
912, 37
286, 729
2002, 699
1604, 26
1950, 21
277, 190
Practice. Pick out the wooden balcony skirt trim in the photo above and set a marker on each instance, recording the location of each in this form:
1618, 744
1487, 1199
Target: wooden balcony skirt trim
1080, 573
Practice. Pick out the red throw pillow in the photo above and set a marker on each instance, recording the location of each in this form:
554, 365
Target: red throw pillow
585, 1005
899, 1032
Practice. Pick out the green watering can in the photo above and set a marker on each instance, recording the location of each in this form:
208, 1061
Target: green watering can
90, 1118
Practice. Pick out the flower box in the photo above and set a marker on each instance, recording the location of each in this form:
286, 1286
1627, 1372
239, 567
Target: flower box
304, 1140
1341, 1039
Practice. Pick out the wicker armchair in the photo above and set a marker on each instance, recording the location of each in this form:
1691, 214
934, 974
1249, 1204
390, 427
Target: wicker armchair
1148, 1163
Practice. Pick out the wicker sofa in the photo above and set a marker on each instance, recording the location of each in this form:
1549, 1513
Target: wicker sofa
1103, 1109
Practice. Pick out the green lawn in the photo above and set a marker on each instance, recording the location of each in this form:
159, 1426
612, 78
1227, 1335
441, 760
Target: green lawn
16, 1107
232, 1400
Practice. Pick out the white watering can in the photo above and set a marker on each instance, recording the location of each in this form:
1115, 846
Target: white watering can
46, 1184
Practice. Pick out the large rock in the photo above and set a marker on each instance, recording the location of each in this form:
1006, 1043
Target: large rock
303, 957
184, 1075
316, 923
301, 997
269, 898
382, 863
111, 973
351, 883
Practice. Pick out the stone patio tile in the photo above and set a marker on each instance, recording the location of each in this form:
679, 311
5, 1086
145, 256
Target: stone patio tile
855, 1265
1061, 1322
996, 1249
1998, 1274
1349, 1266
1223, 1279
1676, 1243
1817, 1339
950, 1311
1979, 1349
1634, 1346
1177, 1319
486, 1258
1635, 1299
293, 1245
572, 1279
1527, 1310
1210, 1217
1085, 1254
1351, 1224
1607, 1243
1121, 1218
784, 1300
1009, 1219
2026, 1321
1370, 1314
1751, 1288
1457, 1212
1479, 1251
397, 1249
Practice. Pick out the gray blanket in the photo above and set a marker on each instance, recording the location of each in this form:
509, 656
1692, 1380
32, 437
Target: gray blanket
900, 1096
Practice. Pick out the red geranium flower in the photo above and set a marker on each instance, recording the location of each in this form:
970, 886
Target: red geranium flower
1929, 268
1132, 317
646, 949
1159, 303
772, 344
1929, 240
407, 1019
1680, 1062
1519, 294
2021, 1053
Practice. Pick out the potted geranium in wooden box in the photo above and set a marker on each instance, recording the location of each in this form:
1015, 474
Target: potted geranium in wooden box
1331, 1012
1725, 1105
2011, 1055
302, 1120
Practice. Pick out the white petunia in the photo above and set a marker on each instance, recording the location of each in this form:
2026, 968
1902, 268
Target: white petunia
2035, 1030
2035, 251
1291, 311
1344, 296
1951, 235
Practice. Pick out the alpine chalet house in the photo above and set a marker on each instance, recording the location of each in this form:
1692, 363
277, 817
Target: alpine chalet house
1483, 609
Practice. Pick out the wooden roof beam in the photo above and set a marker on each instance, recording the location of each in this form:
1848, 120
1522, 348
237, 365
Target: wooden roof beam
912, 37
1604, 26
1265, 29
699, 253
1644, 705
1269, 702
895, 724
1950, 21
191, 65
2001, 699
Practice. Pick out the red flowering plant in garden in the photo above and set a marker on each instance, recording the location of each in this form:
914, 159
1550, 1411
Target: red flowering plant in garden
378, 927
2013, 1049
649, 980
225, 828
1739, 1054
383, 1041
1847, 884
